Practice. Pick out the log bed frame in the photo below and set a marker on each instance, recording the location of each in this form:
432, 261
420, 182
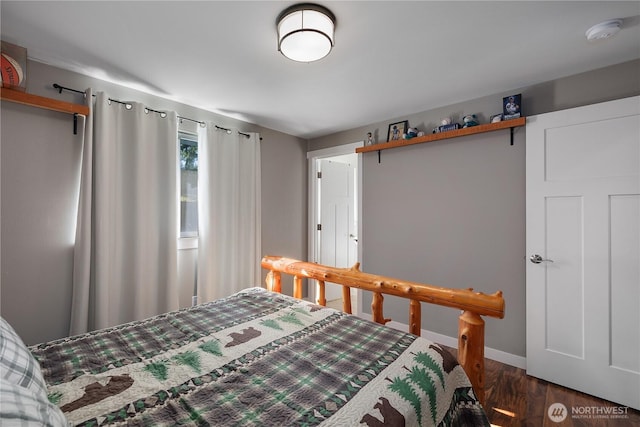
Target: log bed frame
472, 304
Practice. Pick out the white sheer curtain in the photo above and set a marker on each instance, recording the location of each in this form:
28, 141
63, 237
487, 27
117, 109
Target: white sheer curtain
229, 245
125, 259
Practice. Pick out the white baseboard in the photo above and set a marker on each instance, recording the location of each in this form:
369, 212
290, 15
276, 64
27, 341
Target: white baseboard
489, 353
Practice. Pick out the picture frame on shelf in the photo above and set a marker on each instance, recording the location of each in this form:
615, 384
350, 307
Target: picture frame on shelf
397, 130
511, 106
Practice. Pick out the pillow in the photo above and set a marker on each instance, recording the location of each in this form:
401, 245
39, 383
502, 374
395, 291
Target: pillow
23, 392
17, 364
22, 407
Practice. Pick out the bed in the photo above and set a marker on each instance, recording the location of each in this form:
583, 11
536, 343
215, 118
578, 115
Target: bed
256, 358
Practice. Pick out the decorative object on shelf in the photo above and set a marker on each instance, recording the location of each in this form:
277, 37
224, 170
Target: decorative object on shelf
446, 126
396, 130
411, 133
451, 126
13, 66
496, 118
511, 106
369, 140
470, 120
305, 32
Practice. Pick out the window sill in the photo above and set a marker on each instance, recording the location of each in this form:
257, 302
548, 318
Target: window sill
187, 243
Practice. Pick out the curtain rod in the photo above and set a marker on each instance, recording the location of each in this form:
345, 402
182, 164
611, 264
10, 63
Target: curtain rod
229, 131
162, 113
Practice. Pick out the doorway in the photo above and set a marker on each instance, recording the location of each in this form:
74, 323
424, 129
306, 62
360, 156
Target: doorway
334, 217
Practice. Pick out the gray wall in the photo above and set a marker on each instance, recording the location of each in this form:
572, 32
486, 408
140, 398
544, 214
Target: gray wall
452, 212
40, 166
40, 173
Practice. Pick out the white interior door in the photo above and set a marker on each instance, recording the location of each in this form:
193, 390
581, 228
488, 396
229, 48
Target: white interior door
583, 223
337, 218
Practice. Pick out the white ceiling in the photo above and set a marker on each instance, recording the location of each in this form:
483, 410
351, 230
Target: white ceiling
391, 58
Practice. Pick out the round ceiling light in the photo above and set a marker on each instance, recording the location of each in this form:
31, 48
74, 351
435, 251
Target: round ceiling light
604, 30
305, 32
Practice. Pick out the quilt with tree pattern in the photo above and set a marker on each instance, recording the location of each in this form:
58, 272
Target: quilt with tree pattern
256, 358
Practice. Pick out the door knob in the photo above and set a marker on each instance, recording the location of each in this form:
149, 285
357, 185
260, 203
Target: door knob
537, 259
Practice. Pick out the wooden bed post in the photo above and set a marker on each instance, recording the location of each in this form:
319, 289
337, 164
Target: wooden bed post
297, 287
274, 281
346, 299
471, 350
376, 308
415, 317
322, 299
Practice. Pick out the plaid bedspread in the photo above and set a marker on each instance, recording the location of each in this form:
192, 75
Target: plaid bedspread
256, 359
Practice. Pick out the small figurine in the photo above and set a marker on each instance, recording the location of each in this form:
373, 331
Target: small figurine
470, 120
496, 118
445, 121
411, 133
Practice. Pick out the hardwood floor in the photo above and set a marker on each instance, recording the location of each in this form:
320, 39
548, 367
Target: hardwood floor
515, 399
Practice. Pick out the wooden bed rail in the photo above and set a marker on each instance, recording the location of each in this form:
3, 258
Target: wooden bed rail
473, 304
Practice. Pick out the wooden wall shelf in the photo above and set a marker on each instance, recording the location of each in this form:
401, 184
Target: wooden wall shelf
490, 127
42, 102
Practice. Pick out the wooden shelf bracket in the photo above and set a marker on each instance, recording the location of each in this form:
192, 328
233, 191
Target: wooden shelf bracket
37, 101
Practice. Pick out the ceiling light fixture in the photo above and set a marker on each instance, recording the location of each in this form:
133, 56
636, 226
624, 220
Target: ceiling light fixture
604, 30
305, 32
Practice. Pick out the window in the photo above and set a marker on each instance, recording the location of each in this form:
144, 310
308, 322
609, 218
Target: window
188, 184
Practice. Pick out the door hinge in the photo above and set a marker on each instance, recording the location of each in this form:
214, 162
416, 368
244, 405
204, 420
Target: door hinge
319, 175
319, 227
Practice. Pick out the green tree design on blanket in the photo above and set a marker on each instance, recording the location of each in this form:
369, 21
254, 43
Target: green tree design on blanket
418, 381
286, 318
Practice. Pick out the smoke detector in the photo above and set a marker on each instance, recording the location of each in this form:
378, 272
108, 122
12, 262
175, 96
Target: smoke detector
604, 30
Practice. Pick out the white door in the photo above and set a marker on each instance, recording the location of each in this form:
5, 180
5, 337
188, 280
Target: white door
583, 224
337, 218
